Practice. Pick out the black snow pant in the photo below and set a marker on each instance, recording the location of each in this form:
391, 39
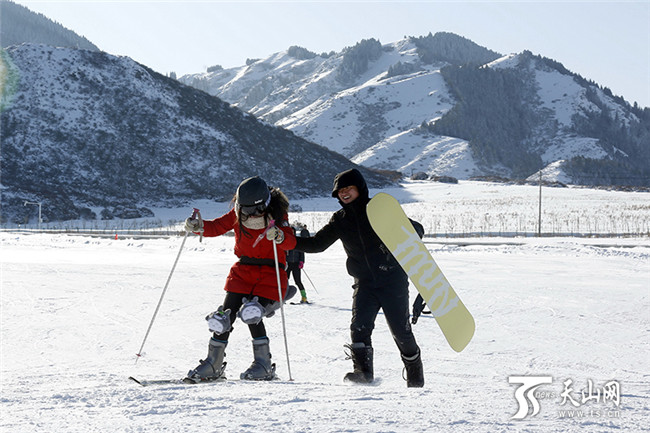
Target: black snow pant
294, 269
393, 299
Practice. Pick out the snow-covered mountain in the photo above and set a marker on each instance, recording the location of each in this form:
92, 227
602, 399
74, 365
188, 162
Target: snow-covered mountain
92, 135
443, 105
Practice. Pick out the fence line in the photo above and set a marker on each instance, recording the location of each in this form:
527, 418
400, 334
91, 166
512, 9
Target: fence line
167, 233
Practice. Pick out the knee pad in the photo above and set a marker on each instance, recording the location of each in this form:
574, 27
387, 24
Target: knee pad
219, 321
251, 312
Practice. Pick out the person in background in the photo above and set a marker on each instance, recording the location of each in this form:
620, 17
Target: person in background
379, 280
251, 286
296, 261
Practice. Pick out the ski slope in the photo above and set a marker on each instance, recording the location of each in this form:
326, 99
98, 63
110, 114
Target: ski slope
75, 310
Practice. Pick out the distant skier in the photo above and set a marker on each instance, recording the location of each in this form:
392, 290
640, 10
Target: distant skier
295, 263
379, 281
251, 286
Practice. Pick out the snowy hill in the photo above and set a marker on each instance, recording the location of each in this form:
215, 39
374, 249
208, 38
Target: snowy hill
443, 105
97, 136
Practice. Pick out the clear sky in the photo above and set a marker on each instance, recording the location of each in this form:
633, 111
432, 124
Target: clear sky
607, 42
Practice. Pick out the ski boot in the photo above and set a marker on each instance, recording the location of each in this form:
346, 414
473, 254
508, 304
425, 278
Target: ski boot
414, 371
361, 356
261, 368
303, 297
211, 368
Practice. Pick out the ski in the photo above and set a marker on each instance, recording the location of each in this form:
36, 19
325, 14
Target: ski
144, 382
187, 381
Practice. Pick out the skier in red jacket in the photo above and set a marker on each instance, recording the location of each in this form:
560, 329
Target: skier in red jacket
251, 286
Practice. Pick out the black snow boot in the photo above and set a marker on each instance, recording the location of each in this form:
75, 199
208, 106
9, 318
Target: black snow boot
261, 368
211, 368
414, 370
361, 356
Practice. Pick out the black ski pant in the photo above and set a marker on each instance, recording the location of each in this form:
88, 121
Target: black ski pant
294, 269
393, 299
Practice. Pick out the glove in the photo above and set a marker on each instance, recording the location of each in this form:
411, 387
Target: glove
418, 306
419, 229
275, 234
192, 225
301, 264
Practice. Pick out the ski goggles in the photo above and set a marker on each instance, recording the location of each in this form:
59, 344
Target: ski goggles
255, 210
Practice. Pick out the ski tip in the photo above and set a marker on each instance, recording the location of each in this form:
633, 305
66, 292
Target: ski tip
135, 380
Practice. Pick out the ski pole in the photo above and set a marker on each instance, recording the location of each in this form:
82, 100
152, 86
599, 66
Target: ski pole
312, 283
284, 328
162, 295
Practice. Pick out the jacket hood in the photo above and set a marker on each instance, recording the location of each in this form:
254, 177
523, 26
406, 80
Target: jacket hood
349, 178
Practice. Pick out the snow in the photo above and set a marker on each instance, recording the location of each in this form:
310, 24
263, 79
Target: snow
75, 310
569, 146
405, 152
561, 95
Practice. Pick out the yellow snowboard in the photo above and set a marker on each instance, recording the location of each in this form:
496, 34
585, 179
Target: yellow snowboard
393, 227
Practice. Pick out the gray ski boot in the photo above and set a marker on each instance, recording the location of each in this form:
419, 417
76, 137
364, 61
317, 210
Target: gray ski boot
361, 356
211, 368
261, 368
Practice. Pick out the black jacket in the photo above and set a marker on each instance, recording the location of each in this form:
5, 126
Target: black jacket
369, 261
295, 256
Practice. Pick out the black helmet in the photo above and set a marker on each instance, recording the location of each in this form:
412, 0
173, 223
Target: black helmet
252, 196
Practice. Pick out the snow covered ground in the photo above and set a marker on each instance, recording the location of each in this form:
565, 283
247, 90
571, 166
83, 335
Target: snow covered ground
75, 309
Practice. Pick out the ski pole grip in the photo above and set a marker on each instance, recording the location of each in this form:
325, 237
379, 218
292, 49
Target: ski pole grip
196, 214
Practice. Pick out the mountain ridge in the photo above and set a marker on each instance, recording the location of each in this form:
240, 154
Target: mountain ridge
403, 109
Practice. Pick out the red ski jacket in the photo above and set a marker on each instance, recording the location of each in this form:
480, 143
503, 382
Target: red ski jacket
254, 274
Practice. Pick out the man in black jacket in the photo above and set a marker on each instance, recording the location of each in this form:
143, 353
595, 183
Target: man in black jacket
379, 281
